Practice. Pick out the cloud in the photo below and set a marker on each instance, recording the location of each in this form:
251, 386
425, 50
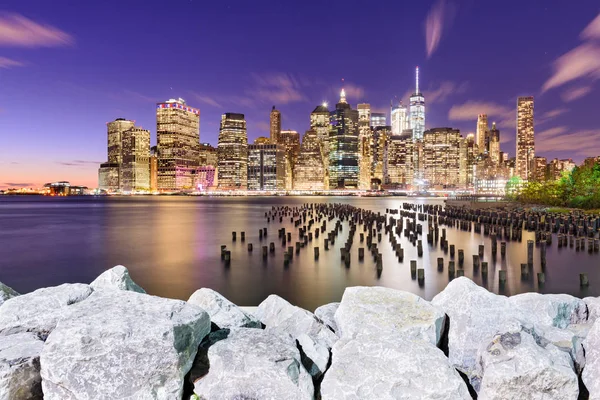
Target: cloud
575, 93
443, 91
592, 31
206, 100
505, 117
12, 184
19, 31
79, 163
548, 133
580, 62
439, 18
276, 88
353, 91
8, 63
585, 143
550, 115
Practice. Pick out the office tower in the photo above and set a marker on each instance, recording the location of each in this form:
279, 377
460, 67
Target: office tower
291, 142
153, 169
540, 166
275, 125
320, 123
381, 135
417, 110
135, 160
468, 156
399, 119
399, 161
108, 177
205, 177
525, 141
483, 132
365, 144
110, 173
208, 155
343, 146
266, 167
378, 119
495, 144
309, 171
557, 167
232, 152
441, 156
262, 140
178, 139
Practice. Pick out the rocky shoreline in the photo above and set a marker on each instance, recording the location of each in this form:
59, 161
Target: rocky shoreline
111, 340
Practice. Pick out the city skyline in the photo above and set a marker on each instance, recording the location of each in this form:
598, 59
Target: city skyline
53, 94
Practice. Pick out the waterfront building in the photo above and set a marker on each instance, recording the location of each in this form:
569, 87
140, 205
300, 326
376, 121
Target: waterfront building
378, 119
483, 133
291, 142
309, 171
489, 178
494, 151
208, 155
135, 160
556, 167
380, 139
320, 123
262, 140
441, 156
365, 146
232, 152
525, 140
399, 161
399, 119
266, 167
468, 156
417, 110
205, 177
108, 177
153, 169
343, 146
539, 168
275, 125
178, 142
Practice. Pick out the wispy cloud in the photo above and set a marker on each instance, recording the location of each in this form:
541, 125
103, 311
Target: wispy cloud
353, 92
583, 143
206, 100
575, 93
8, 63
592, 31
550, 115
443, 91
503, 116
438, 20
276, 88
79, 163
19, 31
18, 184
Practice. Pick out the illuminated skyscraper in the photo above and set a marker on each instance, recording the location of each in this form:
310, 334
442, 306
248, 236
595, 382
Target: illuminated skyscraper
320, 123
381, 136
467, 161
378, 119
109, 174
525, 142
135, 156
309, 171
232, 152
153, 169
399, 119
483, 131
275, 125
495, 144
343, 146
266, 167
417, 111
365, 146
208, 155
399, 161
441, 156
291, 142
178, 142
262, 140
540, 166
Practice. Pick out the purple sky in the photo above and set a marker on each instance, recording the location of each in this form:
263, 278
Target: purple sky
67, 68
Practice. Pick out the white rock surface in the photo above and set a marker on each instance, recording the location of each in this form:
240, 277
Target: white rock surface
255, 364
116, 278
390, 367
326, 313
591, 372
593, 304
39, 311
222, 311
513, 366
374, 311
317, 353
20, 367
558, 310
6, 293
122, 345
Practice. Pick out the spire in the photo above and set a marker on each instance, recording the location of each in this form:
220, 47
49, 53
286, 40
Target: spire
417, 80
343, 96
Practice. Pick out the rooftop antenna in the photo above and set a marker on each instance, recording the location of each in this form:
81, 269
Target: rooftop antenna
417, 79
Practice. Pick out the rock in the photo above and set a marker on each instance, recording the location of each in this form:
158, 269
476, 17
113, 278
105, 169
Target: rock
122, 345
513, 366
116, 278
558, 310
593, 305
255, 364
6, 293
390, 367
40, 311
326, 314
374, 311
20, 367
222, 312
314, 355
591, 372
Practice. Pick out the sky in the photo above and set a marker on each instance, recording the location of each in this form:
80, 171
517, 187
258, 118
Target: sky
69, 67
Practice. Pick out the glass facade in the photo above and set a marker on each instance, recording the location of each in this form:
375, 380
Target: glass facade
266, 167
309, 171
365, 146
275, 125
378, 119
233, 152
417, 111
208, 155
483, 132
441, 156
399, 161
135, 166
525, 141
399, 119
343, 146
291, 142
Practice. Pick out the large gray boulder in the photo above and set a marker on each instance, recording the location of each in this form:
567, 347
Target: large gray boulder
40, 311
20, 367
374, 311
557, 310
514, 366
116, 278
591, 372
327, 314
593, 305
390, 367
6, 293
255, 364
223, 312
122, 345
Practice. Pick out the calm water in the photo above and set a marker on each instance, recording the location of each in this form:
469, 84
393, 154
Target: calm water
171, 246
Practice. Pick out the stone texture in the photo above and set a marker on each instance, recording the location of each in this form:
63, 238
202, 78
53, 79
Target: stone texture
558, 310
514, 366
593, 304
374, 311
40, 311
223, 312
326, 313
122, 345
6, 293
116, 278
255, 364
591, 372
390, 367
20, 367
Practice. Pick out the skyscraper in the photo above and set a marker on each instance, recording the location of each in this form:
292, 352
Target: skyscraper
495, 144
381, 136
208, 155
441, 156
399, 119
266, 167
343, 145
378, 119
291, 143
417, 110
398, 161
482, 133
309, 171
525, 142
109, 174
178, 142
135, 166
365, 144
320, 123
275, 125
232, 152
